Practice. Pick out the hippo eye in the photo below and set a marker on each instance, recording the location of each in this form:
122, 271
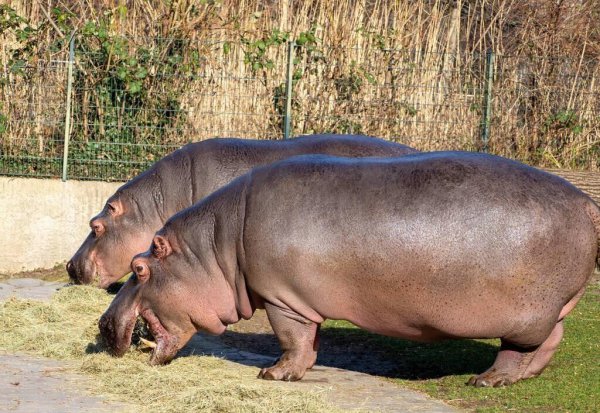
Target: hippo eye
111, 208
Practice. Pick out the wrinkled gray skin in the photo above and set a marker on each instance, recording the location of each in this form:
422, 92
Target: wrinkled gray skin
424, 247
128, 221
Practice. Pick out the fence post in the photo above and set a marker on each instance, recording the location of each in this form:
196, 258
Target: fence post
287, 116
68, 105
487, 102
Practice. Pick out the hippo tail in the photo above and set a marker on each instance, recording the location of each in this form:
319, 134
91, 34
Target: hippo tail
594, 213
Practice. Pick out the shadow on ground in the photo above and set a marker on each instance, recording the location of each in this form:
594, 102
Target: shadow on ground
357, 350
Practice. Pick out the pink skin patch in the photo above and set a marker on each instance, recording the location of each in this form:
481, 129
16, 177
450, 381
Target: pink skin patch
100, 277
166, 343
103, 276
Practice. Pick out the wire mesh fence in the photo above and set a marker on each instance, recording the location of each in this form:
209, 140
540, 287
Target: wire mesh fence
134, 100
32, 122
548, 109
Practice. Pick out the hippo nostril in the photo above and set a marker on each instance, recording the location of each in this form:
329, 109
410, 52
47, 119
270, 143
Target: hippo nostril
71, 271
139, 269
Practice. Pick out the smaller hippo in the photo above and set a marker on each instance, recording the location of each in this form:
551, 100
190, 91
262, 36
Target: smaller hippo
424, 247
138, 209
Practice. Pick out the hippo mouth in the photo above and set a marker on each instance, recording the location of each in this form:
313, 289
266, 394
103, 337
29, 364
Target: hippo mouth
164, 347
83, 272
87, 273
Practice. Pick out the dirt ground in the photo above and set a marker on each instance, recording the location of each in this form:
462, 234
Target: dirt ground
34, 384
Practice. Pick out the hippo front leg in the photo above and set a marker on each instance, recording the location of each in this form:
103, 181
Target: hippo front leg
298, 339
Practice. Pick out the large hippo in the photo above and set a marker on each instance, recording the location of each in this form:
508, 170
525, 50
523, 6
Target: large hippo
423, 247
128, 221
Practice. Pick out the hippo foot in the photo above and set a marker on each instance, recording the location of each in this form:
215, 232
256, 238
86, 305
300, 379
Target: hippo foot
515, 363
492, 379
282, 371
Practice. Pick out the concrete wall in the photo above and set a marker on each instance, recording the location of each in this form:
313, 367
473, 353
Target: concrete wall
44, 221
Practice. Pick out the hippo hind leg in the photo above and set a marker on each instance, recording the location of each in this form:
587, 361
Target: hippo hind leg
515, 363
298, 339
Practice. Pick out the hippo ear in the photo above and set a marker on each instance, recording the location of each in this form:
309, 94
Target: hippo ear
141, 269
162, 247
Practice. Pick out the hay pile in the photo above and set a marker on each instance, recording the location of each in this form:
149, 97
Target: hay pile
66, 328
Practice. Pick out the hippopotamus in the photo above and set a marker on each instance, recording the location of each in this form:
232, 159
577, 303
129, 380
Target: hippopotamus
131, 216
428, 246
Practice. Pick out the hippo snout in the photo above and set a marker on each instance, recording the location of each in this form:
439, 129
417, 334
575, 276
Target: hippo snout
116, 325
108, 333
81, 270
111, 337
78, 271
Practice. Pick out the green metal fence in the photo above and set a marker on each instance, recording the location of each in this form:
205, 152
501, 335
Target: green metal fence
99, 111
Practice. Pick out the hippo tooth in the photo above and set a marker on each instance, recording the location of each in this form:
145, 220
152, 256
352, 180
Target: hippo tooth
148, 343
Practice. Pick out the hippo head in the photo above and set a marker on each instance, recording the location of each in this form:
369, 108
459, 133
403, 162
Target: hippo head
117, 234
163, 290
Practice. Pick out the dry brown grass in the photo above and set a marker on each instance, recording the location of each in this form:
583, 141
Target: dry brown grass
66, 328
56, 273
410, 71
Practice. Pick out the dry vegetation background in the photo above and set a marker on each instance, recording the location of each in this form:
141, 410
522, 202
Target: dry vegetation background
151, 75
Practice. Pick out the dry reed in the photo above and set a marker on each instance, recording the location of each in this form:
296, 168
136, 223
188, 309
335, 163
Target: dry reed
408, 71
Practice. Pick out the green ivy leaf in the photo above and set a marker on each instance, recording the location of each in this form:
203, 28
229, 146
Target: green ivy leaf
226, 48
17, 66
122, 73
122, 11
302, 39
24, 34
89, 28
3, 123
102, 33
134, 87
370, 78
141, 73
